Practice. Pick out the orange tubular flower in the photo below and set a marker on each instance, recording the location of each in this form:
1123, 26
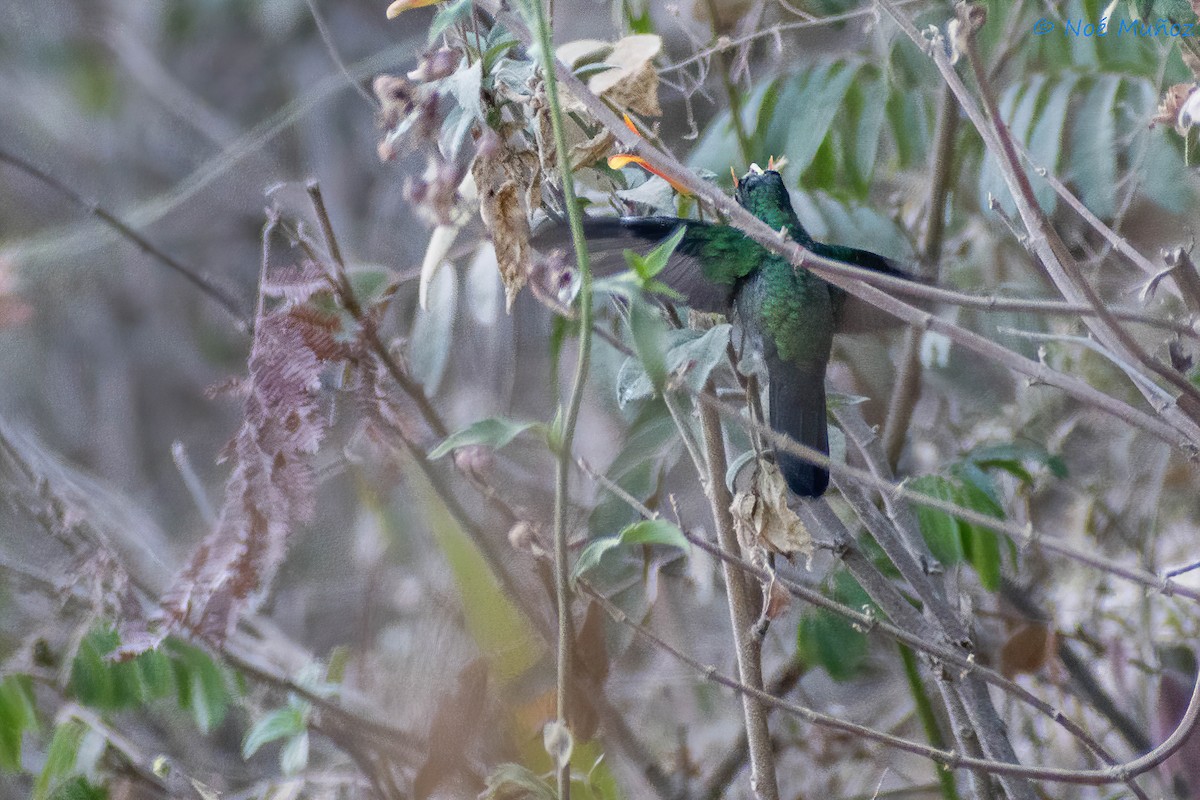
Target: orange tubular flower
624, 160
400, 6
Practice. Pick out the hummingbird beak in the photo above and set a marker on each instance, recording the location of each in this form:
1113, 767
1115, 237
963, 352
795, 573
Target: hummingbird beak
733, 175
756, 169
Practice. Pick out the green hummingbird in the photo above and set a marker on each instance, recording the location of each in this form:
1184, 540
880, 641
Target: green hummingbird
789, 315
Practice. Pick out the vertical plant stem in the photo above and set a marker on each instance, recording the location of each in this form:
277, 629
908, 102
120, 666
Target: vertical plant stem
907, 389
571, 414
748, 647
928, 719
731, 93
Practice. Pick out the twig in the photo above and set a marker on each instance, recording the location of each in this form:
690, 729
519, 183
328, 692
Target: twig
206, 286
569, 415
731, 93
907, 388
748, 646
1060, 265
1082, 777
335, 56
723, 774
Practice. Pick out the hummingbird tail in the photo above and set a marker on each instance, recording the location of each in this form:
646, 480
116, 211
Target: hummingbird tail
797, 408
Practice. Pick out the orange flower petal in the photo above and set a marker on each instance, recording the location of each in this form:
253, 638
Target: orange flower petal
400, 6
624, 160
629, 124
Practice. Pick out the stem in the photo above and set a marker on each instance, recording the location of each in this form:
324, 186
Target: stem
735, 100
928, 720
907, 389
563, 468
201, 282
748, 646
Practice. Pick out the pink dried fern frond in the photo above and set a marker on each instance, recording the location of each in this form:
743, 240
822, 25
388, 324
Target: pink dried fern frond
271, 487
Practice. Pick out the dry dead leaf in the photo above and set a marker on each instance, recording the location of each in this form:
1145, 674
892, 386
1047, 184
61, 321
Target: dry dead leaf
777, 601
1026, 650
587, 153
1173, 101
508, 179
762, 518
632, 82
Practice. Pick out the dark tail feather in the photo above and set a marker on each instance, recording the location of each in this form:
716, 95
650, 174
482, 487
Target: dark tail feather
797, 408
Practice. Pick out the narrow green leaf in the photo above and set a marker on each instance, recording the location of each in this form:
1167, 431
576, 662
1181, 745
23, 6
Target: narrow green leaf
201, 684
278, 724
1092, 147
448, 15
655, 261
494, 432
939, 529
980, 545
294, 756
811, 117
826, 640
79, 789
17, 715
645, 532
649, 340
60, 759
1046, 138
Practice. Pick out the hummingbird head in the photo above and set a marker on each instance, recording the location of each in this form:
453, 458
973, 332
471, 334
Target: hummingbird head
761, 186
762, 192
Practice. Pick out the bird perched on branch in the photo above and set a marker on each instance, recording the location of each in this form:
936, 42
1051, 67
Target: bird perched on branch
789, 315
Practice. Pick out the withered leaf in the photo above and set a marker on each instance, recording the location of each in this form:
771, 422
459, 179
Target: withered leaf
1027, 649
762, 518
632, 83
508, 179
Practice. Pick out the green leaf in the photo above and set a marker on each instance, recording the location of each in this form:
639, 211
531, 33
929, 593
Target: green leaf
981, 546
1046, 139
1092, 150
649, 265
645, 532
870, 98
824, 639
499, 42
369, 283
18, 714
689, 353
294, 756
649, 340
201, 684
278, 724
79, 789
60, 759
494, 432
102, 683
938, 528
448, 15
1009, 457
810, 114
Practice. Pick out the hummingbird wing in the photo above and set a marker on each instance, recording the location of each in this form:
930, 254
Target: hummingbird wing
853, 315
704, 268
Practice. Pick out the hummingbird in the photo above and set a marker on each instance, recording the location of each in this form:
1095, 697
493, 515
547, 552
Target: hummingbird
788, 315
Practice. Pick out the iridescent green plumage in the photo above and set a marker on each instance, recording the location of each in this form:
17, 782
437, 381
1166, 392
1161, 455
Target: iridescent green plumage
790, 315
